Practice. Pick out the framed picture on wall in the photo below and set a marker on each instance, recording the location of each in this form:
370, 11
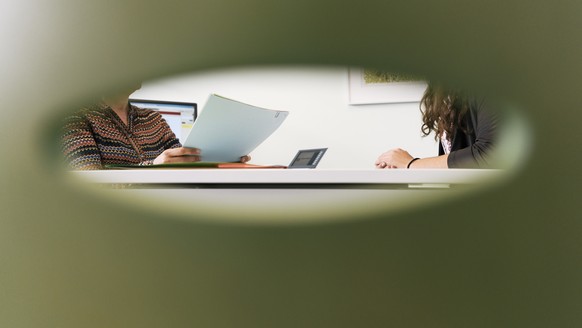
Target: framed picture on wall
367, 86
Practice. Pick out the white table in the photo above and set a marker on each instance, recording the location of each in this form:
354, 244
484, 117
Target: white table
288, 177
286, 192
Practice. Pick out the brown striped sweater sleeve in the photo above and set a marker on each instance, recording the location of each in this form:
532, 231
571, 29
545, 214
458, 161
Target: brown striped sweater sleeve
95, 137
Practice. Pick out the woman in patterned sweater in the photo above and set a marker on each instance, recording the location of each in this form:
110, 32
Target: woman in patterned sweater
115, 132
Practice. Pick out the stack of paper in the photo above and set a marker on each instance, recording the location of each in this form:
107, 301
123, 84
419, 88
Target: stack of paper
227, 129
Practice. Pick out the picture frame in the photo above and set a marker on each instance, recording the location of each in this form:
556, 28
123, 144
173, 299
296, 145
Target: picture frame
363, 93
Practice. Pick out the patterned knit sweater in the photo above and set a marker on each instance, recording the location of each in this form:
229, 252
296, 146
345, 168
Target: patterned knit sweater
95, 136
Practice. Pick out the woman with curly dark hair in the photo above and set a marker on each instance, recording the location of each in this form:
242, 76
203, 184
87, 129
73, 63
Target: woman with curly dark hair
465, 128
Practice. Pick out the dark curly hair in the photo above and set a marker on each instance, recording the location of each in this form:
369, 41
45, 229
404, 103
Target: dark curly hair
443, 110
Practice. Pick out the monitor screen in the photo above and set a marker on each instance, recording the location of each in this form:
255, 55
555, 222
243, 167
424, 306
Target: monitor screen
179, 115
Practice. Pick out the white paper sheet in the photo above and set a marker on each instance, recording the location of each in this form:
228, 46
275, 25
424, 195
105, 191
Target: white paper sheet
227, 129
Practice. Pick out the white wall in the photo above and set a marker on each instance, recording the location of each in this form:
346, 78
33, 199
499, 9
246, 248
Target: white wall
320, 116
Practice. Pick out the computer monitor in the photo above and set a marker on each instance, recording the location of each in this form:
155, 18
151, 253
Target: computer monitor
179, 115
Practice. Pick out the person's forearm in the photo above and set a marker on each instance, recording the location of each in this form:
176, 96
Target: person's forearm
438, 162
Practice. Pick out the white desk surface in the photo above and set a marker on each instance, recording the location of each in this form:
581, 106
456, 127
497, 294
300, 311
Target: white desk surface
290, 195
289, 176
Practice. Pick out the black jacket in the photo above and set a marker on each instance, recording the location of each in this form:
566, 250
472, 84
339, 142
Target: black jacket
472, 149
